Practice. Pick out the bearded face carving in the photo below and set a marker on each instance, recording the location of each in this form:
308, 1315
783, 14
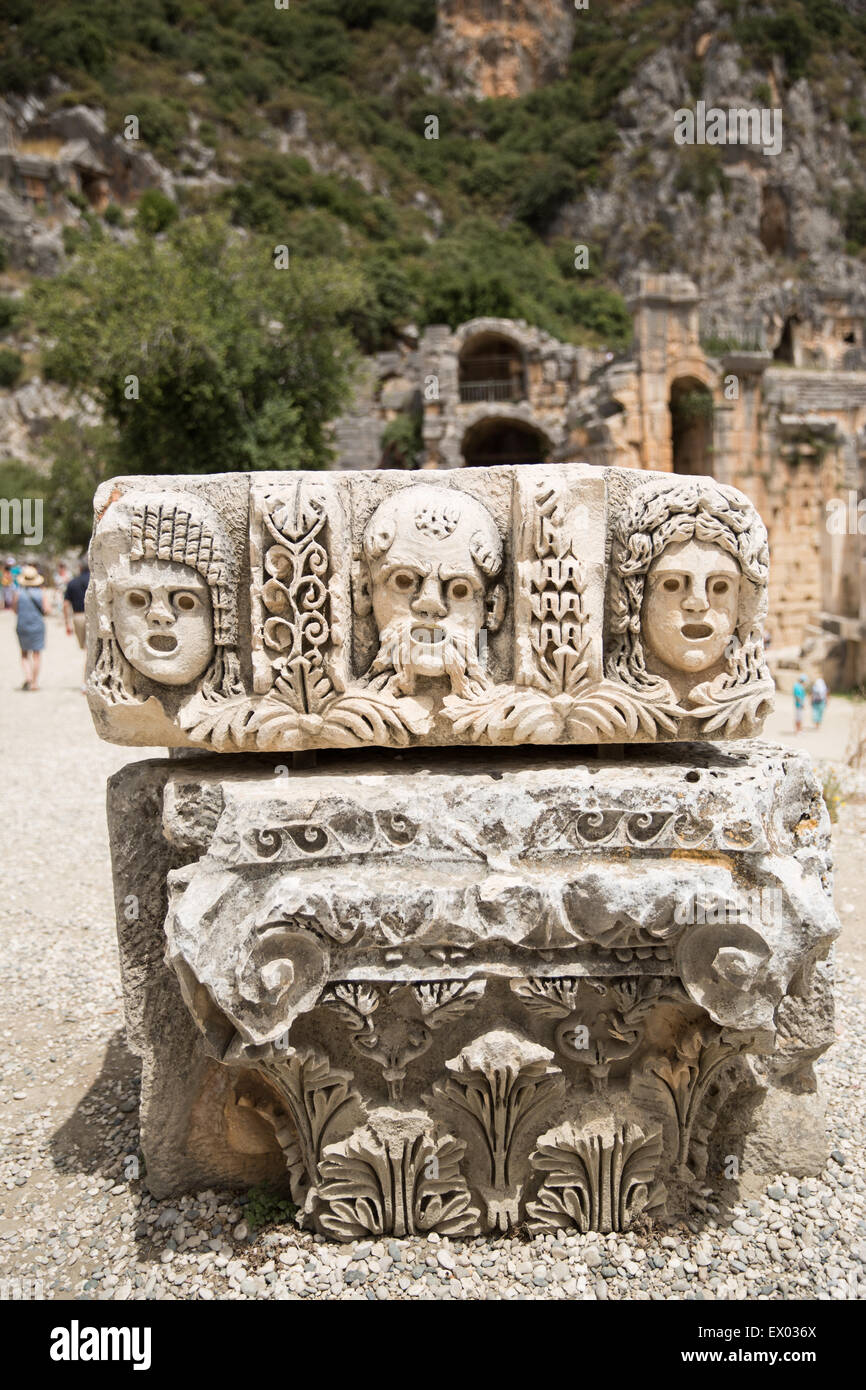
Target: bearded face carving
163, 620
690, 605
433, 555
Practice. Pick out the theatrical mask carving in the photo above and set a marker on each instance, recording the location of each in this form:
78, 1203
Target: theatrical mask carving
163, 620
688, 600
166, 598
635, 610
690, 607
433, 557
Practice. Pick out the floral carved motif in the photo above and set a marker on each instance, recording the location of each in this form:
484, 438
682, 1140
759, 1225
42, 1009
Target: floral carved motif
501, 1081
414, 1010
396, 1176
597, 1177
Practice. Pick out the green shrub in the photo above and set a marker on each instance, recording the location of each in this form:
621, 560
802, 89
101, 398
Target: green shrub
162, 124
855, 219
239, 364
691, 406
389, 302
403, 441
11, 366
10, 312
855, 119
542, 195
700, 172
73, 240
264, 1207
114, 215
155, 211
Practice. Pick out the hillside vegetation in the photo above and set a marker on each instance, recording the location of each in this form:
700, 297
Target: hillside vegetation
307, 127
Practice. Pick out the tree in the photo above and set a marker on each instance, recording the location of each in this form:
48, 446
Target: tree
202, 354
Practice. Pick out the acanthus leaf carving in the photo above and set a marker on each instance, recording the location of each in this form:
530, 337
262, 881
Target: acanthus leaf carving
702, 1053
396, 1176
597, 1177
317, 1096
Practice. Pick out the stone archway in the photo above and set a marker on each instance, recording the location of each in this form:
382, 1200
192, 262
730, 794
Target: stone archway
501, 440
691, 407
491, 368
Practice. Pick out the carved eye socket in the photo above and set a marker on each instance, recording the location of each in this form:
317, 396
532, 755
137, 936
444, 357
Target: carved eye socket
404, 582
185, 603
137, 599
671, 585
720, 586
459, 589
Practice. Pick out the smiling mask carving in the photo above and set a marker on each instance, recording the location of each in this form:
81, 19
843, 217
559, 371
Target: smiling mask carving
688, 591
690, 605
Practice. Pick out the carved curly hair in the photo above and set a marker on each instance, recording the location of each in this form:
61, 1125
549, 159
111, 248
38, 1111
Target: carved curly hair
182, 528
662, 514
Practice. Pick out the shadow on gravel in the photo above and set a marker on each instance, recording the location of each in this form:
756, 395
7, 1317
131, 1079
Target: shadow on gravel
104, 1125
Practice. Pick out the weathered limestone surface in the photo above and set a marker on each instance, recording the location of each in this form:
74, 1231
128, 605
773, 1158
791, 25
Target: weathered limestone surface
533, 605
460, 991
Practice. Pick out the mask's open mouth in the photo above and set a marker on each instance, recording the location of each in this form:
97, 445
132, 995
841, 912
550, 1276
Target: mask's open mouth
428, 636
695, 632
162, 643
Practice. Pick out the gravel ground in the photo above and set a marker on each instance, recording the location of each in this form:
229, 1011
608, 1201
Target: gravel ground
76, 1222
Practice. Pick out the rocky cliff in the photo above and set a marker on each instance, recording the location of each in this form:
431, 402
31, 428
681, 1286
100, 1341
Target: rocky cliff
502, 48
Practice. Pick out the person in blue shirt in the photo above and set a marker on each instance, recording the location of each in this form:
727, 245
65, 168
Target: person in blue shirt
799, 703
29, 606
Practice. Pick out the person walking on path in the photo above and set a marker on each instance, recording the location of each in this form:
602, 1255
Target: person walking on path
799, 703
29, 607
73, 604
818, 696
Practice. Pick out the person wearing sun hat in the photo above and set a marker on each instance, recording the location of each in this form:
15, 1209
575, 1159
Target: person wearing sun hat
29, 605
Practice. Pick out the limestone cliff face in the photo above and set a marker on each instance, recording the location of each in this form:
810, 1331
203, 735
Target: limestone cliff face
502, 48
736, 221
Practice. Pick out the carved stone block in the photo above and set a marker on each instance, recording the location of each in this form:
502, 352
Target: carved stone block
502, 987
560, 604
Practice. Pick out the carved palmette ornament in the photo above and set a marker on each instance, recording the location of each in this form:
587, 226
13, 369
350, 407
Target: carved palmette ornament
597, 1177
415, 1011
598, 1021
396, 1176
500, 1082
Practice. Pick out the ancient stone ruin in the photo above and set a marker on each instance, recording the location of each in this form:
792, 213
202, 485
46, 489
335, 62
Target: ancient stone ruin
464, 903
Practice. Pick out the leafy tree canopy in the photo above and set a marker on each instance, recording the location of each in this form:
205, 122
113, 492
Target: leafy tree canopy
203, 355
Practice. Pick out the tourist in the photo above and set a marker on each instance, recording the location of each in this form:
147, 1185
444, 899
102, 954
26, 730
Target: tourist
61, 579
29, 605
73, 604
799, 703
818, 696
8, 583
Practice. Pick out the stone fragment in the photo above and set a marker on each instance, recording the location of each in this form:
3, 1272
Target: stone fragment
446, 998
547, 604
